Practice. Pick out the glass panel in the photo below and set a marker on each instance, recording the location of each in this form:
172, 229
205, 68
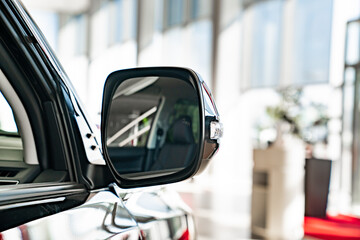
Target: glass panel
200, 9
353, 43
81, 29
153, 126
348, 108
266, 43
312, 41
122, 20
356, 149
175, 12
11, 148
194, 9
118, 21
7, 121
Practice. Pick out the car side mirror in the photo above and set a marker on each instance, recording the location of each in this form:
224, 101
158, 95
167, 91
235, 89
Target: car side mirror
158, 125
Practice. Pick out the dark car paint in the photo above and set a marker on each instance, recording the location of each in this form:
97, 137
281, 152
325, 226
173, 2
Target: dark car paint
95, 209
151, 214
103, 216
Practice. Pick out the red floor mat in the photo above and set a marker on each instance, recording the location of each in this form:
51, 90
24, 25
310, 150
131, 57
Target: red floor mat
333, 227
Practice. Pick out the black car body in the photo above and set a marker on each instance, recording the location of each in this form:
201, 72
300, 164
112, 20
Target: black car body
54, 183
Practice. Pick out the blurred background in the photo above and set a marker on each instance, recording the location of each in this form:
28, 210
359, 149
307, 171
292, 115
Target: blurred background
293, 62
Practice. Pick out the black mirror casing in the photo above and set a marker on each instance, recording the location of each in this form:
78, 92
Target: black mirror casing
204, 145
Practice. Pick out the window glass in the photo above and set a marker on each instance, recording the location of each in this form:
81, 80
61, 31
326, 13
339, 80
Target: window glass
175, 12
266, 43
116, 18
200, 9
11, 148
353, 43
81, 29
73, 35
356, 154
100, 30
194, 9
123, 17
7, 121
312, 41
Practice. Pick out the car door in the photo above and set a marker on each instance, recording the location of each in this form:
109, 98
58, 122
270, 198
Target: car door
55, 173
103, 216
61, 166
39, 175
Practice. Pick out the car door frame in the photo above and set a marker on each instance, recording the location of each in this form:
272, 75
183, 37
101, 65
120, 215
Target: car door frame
32, 201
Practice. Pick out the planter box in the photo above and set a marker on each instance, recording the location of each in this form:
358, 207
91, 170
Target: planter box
317, 179
278, 191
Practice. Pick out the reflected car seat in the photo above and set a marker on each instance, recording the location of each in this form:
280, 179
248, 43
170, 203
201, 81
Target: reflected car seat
179, 149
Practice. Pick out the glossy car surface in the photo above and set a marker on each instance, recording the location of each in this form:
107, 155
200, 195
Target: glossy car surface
54, 182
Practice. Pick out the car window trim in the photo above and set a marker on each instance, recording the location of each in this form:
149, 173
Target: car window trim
37, 200
31, 203
27, 193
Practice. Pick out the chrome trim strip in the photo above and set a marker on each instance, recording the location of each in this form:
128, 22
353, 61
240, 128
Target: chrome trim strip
26, 204
12, 182
99, 190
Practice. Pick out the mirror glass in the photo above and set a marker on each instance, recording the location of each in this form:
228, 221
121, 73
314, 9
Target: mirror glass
153, 126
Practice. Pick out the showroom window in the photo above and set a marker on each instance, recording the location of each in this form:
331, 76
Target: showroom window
351, 113
266, 38
305, 37
80, 22
200, 9
122, 20
175, 12
73, 35
312, 40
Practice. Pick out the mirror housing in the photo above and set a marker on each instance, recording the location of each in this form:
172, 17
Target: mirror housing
124, 85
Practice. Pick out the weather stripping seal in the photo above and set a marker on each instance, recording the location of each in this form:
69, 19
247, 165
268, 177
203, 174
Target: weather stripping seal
31, 203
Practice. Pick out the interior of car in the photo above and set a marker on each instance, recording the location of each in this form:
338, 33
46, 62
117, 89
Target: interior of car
152, 125
19, 161
18, 155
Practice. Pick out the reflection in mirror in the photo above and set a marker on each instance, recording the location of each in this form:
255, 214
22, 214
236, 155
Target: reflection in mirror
153, 126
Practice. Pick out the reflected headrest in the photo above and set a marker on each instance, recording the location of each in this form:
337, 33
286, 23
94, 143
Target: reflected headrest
182, 130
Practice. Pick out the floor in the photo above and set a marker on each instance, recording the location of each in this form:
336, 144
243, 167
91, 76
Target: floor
221, 211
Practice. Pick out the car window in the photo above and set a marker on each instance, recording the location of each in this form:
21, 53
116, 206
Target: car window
11, 148
7, 120
13, 167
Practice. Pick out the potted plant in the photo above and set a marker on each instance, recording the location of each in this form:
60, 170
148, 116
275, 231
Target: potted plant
301, 118
308, 121
279, 163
